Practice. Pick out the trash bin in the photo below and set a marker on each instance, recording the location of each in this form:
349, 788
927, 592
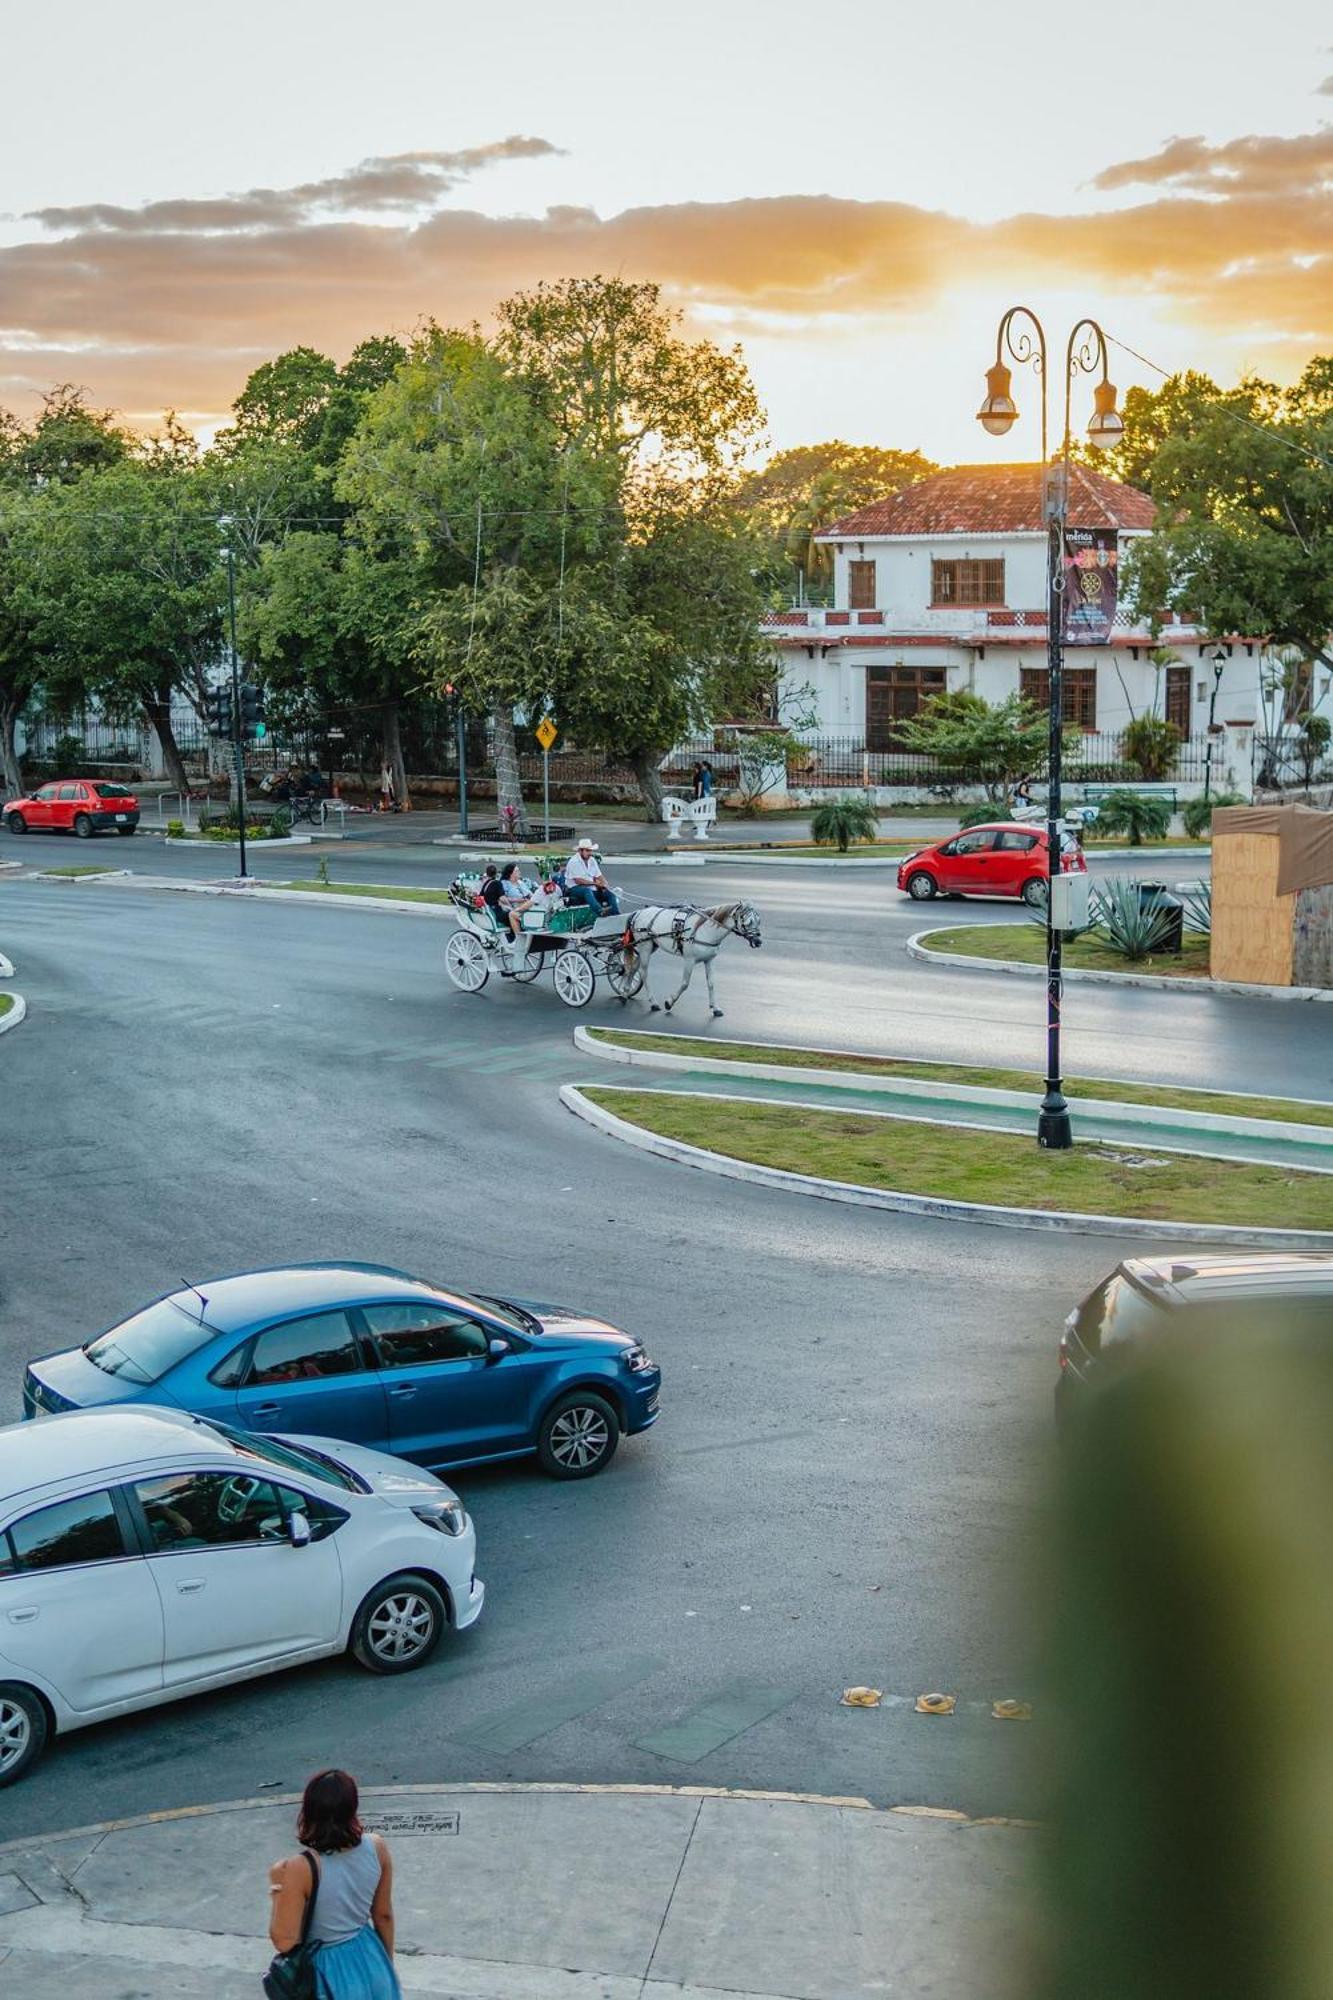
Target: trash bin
1170, 912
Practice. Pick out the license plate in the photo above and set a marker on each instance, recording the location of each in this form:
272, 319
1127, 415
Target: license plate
121, 818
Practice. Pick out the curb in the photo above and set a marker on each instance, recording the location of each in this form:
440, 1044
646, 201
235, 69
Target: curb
6, 967
286, 1800
284, 840
13, 1015
937, 1207
925, 1091
917, 948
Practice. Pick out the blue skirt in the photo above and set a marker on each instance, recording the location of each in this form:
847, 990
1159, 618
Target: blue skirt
360, 1969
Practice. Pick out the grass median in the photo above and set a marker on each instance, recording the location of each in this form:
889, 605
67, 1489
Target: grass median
391, 892
1228, 1104
6, 1002
1000, 1169
1025, 944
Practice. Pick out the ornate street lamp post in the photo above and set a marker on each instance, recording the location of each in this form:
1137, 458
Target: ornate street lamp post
1086, 351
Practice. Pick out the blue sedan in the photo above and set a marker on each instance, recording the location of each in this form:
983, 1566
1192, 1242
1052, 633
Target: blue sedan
362, 1352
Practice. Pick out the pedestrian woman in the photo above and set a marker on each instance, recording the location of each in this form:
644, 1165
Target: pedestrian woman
388, 801
697, 780
349, 1876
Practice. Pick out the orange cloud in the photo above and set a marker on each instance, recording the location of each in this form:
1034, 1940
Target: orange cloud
173, 303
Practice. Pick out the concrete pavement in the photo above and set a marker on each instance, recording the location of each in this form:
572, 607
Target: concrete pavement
547, 1893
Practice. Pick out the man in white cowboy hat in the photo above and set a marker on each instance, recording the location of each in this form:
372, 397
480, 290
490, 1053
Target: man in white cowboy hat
585, 882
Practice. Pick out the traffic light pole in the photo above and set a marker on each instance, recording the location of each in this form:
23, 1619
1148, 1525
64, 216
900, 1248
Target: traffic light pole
237, 724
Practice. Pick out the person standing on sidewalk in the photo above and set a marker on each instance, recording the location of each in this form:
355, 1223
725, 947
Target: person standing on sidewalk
352, 1919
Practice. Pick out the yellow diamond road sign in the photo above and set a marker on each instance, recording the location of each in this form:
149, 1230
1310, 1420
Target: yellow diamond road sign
546, 732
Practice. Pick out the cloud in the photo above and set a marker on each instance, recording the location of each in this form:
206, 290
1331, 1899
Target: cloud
174, 303
390, 183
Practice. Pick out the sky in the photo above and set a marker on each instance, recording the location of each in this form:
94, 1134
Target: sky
854, 199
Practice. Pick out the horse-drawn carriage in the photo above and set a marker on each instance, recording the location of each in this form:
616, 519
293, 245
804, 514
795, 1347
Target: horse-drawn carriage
579, 945
575, 943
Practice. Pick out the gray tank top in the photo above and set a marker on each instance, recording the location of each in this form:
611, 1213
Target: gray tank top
347, 1884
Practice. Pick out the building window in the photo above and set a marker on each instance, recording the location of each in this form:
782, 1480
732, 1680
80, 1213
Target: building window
892, 695
861, 586
967, 582
1078, 693
1178, 698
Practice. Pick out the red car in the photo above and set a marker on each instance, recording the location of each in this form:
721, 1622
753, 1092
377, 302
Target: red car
74, 805
1005, 859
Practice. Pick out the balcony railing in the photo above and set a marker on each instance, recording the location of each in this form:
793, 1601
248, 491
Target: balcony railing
961, 622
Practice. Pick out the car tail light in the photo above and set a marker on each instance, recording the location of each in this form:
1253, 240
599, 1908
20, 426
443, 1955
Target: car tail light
1064, 1352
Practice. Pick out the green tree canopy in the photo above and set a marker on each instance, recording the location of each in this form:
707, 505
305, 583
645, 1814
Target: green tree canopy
1243, 479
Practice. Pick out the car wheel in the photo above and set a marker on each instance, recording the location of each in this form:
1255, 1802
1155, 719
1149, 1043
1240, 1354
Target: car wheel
1034, 893
16, 823
83, 826
921, 887
578, 1436
398, 1626
23, 1731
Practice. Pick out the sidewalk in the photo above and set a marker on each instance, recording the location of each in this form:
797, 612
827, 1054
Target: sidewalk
546, 1893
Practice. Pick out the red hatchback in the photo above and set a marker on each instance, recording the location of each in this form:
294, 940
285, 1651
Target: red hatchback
1005, 859
74, 805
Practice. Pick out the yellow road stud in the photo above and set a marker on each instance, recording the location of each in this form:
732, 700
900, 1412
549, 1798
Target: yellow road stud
862, 1697
936, 1704
1012, 1711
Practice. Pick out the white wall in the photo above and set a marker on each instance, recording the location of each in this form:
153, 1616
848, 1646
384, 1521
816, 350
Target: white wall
902, 576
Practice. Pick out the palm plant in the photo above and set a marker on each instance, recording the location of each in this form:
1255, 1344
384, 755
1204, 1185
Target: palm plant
841, 821
1197, 814
1151, 744
1197, 900
1134, 813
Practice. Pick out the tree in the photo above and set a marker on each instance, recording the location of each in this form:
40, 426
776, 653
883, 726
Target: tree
617, 378
121, 582
660, 626
800, 491
66, 442
995, 744
457, 470
1243, 479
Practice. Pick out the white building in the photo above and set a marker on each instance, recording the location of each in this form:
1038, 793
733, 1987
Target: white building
943, 586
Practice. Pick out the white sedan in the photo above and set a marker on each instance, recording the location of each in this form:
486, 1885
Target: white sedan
146, 1554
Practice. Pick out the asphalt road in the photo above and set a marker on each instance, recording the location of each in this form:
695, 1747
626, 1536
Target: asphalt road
846, 1485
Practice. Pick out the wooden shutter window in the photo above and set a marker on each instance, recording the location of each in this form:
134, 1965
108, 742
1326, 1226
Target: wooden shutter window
861, 586
968, 583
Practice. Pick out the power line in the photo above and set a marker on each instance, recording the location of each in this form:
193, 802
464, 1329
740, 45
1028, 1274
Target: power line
1251, 424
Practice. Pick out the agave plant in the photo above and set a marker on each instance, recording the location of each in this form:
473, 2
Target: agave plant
1135, 813
1197, 899
1134, 924
842, 821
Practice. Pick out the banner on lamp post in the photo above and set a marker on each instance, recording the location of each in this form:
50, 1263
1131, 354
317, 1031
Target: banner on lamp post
1090, 571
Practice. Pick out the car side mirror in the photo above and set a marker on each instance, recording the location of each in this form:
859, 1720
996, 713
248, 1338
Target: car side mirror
496, 1349
298, 1531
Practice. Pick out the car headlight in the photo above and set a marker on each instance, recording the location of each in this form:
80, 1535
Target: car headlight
637, 1359
446, 1515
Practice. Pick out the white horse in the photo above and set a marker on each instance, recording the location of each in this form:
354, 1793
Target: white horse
696, 936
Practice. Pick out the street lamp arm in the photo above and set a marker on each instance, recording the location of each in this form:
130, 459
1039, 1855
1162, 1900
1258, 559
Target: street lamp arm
1022, 333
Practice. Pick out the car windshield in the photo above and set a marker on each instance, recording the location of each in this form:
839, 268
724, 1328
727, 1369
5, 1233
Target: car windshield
293, 1458
508, 1315
113, 791
144, 1348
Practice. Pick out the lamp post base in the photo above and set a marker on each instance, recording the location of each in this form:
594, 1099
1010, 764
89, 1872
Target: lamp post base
1054, 1130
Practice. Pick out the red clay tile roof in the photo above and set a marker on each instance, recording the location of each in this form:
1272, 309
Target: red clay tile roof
996, 500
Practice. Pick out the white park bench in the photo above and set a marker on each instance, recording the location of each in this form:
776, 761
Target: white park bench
698, 813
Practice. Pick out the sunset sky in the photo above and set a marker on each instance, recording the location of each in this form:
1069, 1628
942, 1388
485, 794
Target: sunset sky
853, 197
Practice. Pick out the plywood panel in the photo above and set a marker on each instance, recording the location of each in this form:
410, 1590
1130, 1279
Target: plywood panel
1252, 924
1312, 955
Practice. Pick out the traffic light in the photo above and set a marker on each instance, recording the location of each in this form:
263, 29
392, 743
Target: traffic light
253, 724
217, 704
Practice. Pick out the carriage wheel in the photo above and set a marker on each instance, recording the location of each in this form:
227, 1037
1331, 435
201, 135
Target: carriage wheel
574, 976
625, 972
465, 962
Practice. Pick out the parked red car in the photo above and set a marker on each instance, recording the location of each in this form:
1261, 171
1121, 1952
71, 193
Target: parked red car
74, 805
1005, 859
